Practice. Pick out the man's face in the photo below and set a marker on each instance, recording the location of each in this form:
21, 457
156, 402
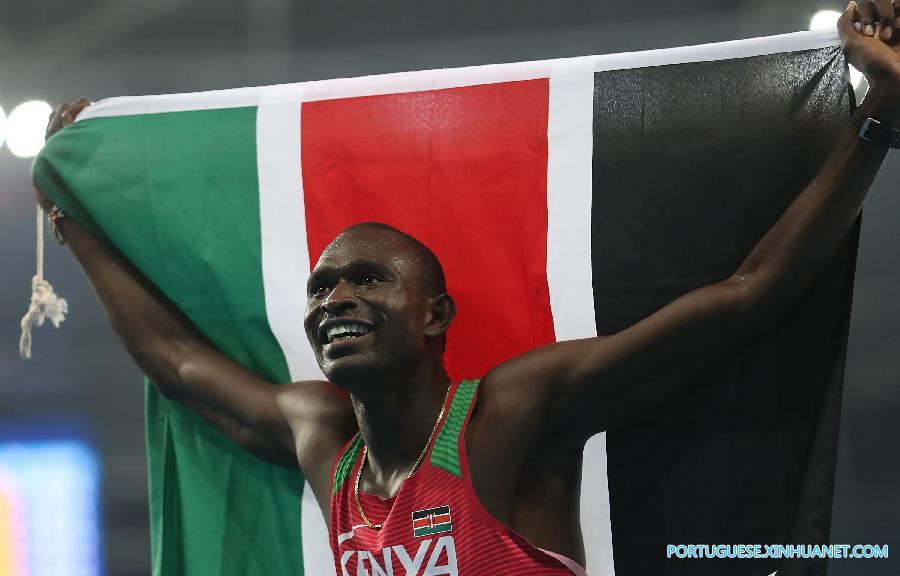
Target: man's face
365, 314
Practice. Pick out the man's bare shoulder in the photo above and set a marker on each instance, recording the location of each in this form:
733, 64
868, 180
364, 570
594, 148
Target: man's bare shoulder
513, 422
526, 405
322, 420
513, 398
528, 384
317, 402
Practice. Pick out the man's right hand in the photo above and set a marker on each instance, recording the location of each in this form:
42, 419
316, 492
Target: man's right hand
64, 115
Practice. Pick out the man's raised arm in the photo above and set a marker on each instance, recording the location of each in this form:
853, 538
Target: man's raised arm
606, 383
278, 423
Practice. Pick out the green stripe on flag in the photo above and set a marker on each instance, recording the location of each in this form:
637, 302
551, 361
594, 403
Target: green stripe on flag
155, 184
436, 529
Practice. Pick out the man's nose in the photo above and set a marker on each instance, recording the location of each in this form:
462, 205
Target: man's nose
341, 298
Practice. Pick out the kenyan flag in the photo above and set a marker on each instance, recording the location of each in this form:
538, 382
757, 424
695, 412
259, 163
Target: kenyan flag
431, 521
565, 198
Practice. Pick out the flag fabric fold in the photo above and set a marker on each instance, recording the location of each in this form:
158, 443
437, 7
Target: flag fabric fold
566, 199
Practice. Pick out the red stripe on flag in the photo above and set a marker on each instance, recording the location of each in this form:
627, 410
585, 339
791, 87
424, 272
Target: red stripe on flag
440, 518
465, 171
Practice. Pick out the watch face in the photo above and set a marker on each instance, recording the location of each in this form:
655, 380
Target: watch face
871, 130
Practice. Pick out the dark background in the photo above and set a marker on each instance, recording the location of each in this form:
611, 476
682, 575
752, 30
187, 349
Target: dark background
80, 376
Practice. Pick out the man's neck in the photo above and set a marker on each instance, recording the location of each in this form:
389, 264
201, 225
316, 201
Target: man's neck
395, 420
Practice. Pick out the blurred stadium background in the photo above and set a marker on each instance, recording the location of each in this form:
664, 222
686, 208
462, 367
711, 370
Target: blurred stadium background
73, 488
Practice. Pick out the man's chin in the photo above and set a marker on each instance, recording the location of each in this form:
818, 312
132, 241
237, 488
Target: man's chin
349, 371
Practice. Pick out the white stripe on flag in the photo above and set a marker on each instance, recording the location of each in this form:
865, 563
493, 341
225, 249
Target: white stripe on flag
569, 192
285, 267
457, 77
285, 255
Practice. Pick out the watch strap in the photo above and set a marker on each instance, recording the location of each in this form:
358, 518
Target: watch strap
872, 130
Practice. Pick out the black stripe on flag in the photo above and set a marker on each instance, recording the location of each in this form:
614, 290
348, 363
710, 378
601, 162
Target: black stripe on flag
426, 513
692, 164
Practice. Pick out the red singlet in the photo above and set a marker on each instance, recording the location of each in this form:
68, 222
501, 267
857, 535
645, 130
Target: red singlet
435, 524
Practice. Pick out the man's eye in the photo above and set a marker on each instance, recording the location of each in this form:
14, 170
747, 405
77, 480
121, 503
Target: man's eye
369, 279
319, 291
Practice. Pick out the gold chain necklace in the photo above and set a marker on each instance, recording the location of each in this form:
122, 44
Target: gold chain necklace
408, 476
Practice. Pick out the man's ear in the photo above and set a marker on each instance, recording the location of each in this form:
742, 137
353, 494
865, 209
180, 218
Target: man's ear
441, 311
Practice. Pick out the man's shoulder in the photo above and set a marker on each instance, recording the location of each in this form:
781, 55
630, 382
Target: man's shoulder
314, 401
321, 418
512, 389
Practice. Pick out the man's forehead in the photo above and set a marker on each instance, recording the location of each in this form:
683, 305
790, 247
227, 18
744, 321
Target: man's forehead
363, 240
354, 249
357, 237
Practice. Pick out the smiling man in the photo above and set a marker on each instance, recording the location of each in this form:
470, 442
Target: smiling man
415, 472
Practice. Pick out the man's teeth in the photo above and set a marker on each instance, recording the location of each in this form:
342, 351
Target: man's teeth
348, 330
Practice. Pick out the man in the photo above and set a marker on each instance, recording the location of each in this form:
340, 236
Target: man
499, 460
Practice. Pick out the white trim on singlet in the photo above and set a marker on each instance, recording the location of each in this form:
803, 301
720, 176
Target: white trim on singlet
572, 565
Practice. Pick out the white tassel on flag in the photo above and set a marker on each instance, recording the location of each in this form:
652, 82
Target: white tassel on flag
45, 303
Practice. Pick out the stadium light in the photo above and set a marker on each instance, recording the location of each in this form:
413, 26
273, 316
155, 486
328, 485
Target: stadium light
827, 19
50, 522
824, 19
25, 128
2, 125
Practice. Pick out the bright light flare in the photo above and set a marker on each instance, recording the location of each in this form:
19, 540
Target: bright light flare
827, 20
824, 19
25, 128
2, 126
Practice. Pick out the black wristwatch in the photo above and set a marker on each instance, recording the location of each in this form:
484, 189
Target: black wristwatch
872, 130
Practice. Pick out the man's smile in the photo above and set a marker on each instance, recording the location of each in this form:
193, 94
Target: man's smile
336, 330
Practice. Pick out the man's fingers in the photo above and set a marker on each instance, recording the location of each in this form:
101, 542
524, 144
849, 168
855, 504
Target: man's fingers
877, 16
852, 34
56, 116
71, 111
866, 11
77, 106
849, 18
64, 115
848, 23
884, 10
54, 124
80, 104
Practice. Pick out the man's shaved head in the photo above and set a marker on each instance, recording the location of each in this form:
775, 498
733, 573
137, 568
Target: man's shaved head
426, 266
